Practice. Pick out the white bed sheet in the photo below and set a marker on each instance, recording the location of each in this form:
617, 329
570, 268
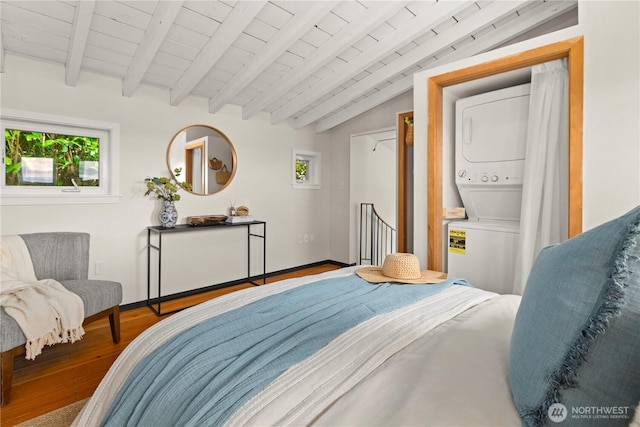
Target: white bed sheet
457, 375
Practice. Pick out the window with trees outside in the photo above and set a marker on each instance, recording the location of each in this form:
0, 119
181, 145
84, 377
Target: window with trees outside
50, 159
306, 169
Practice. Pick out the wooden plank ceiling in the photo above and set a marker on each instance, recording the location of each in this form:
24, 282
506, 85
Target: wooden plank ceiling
311, 62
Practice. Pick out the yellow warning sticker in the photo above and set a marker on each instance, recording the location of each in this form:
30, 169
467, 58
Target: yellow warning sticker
458, 241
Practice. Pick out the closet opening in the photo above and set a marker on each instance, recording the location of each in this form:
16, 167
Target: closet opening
573, 51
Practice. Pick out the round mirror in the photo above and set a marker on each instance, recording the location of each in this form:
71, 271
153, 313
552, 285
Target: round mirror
205, 155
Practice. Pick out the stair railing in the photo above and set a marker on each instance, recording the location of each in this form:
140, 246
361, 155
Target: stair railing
377, 237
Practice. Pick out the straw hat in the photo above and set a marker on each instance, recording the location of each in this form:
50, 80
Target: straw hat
400, 268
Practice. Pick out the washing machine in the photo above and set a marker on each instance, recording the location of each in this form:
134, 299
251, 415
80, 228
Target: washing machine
484, 253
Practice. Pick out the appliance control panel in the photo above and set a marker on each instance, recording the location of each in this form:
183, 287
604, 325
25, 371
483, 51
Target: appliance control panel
501, 174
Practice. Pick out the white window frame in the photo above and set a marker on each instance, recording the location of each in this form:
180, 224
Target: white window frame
109, 134
313, 180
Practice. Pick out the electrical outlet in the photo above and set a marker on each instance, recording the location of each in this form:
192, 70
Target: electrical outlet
306, 238
99, 268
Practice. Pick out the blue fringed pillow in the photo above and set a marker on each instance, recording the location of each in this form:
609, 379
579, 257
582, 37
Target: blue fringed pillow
575, 347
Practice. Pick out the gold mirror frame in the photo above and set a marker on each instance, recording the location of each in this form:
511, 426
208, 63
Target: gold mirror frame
207, 158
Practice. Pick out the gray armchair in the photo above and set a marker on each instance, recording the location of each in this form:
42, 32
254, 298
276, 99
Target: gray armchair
62, 256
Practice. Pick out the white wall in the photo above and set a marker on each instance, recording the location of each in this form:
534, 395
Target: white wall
147, 123
338, 139
611, 176
611, 108
373, 179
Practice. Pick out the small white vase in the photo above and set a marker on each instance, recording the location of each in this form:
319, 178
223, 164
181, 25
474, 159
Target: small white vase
168, 214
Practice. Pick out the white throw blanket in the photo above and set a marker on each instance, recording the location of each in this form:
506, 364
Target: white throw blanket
46, 312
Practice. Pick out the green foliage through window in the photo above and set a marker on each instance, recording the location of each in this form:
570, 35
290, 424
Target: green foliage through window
40, 158
301, 169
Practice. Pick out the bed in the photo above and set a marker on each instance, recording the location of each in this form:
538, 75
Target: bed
335, 349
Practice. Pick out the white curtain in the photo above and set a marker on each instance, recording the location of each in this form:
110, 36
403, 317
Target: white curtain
543, 219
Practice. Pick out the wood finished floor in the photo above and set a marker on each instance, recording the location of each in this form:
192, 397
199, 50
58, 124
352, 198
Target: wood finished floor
67, 373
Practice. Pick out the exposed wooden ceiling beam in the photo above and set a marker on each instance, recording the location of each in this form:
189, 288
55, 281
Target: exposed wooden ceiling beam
483, 44
183, 47
418, 25
340, 41
380, 97
447, 38
160, 24
240, 16
296, 27
78, 41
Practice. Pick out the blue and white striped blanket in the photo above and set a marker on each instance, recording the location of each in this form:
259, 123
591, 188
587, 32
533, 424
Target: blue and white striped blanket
230, 365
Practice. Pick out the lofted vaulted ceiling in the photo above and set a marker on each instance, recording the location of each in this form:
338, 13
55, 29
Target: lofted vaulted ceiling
315, 62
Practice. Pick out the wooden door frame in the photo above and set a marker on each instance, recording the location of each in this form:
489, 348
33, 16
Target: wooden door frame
188, 155
573, 50
401, 214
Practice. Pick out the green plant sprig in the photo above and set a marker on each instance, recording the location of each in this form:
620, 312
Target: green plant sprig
166, 188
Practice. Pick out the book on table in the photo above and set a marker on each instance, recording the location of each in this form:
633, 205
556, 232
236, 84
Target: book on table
240, 219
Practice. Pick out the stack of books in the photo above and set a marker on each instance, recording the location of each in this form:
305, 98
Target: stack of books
240, 219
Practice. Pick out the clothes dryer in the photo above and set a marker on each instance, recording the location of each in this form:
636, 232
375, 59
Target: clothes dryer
490, 149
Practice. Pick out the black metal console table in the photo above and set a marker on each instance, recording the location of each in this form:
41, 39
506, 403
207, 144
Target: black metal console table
159, 231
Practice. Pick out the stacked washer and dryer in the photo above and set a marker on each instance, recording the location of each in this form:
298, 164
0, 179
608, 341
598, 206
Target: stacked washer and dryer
490, 149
